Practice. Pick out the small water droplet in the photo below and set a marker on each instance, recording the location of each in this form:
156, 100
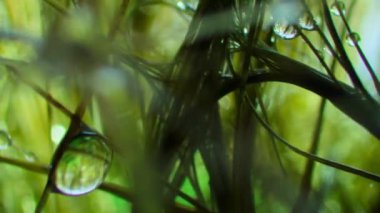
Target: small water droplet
5, 140
30, 156
185, 7
352, 38
328, 51
306, 22
83, 165
273, 39
181, 5
337, 7
285, 31
233, 45
245, 31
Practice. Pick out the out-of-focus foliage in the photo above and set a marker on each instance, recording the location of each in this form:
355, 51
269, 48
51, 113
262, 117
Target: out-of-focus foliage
130, 61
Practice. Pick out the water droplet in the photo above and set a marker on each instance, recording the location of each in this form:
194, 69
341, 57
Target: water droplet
233, 45
273, 39
185, 7
328, 51
285, 31
5, 140
245, 31
306, 22
352, 38
83, 165
30, 156
181, 5
337, 7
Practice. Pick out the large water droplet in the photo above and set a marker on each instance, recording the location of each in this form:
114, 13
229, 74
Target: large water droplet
337, 8
83, 165
5, 140
285, 31
352, 38
306, 22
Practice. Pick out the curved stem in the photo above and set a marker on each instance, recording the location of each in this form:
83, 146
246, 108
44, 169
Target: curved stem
312, 157
284, 69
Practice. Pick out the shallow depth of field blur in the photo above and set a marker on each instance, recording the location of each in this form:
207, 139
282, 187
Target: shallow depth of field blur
60, 38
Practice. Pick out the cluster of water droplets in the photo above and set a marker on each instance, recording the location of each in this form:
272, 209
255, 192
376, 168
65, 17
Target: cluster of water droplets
83, 165
288, 30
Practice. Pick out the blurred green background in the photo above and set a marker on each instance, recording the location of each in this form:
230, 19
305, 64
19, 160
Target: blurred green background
37, 32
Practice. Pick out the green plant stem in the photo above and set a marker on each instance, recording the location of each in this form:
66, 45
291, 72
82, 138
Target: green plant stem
316, 53
41, 92
306, 181
345, 98
273, 139
118, 18
321, 34
112, 188
59, 8
361, 53
312, 157
242, 172
343, 54
42, 169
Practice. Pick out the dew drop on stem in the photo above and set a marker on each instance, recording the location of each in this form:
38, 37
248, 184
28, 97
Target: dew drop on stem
306, 22
186, 7
328, 51
285, 31
233, 45
83, 165
352, 38
337, 8
30, 156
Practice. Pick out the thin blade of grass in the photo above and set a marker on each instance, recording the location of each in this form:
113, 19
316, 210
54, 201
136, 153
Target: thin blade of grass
330, 163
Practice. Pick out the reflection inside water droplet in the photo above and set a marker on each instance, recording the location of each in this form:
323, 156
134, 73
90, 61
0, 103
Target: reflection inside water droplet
5, 140
285, 31
83, 166
352, 38
337, 7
